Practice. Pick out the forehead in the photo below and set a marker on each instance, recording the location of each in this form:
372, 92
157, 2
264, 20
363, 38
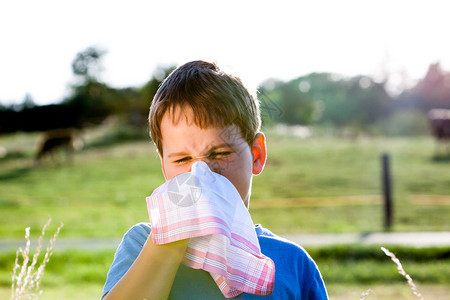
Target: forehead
178, 128
202, 116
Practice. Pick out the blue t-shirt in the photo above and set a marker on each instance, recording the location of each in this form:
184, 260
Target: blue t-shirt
296, 274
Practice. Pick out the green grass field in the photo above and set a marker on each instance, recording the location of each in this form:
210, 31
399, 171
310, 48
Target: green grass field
347, 270
312, 185
317, 185
335, 292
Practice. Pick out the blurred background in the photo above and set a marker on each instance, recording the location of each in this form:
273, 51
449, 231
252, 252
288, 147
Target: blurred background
341, 85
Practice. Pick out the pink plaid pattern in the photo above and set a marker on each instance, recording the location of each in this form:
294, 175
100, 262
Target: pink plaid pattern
208, 209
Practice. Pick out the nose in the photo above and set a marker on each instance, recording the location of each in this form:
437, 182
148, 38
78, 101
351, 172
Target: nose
212, 165
203, 172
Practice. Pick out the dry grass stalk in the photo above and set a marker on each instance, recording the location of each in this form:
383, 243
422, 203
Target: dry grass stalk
365, 294
403, 273
26, 284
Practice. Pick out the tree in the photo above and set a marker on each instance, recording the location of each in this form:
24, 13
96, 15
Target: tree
432, 91
28, 102
297, 106
328, 99
91, 100
434, 88
87, 64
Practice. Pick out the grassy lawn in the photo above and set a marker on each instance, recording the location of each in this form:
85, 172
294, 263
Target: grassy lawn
347, 270
317, 185
339, 264
332, 167
66, 292
335, 291
312, 185
386, 292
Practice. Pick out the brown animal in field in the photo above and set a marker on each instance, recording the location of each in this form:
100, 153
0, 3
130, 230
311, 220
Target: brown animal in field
439, 120
59, 140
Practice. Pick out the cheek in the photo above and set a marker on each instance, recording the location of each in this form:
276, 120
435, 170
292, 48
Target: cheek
239, 172
172, 171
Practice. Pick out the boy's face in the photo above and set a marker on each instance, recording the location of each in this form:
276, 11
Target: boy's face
223, 149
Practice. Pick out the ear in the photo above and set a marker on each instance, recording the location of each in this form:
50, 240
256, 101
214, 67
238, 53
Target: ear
259, 153
162, 165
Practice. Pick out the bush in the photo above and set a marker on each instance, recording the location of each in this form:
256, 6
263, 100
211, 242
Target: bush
405, 123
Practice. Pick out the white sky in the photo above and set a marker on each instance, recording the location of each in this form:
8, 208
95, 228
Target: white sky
258, 39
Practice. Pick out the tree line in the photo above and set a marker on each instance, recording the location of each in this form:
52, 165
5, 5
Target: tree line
357, 103
323, 100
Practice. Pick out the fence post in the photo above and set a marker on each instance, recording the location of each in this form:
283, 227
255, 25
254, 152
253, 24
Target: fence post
387, 192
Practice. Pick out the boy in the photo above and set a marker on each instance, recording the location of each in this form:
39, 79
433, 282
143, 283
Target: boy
203, 113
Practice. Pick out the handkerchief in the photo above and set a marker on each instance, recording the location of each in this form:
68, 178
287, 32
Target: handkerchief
205, 207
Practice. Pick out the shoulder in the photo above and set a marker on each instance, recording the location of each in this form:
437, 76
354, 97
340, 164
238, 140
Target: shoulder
296, 271
134, 239
273, 242
138, 231
290, 259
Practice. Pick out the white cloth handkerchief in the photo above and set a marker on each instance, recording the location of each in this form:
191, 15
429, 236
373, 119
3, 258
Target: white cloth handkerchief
205, 207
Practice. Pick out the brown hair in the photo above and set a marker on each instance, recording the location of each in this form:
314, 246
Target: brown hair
217, 99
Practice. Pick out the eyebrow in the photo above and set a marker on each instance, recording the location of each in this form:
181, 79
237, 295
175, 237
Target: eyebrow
178, 154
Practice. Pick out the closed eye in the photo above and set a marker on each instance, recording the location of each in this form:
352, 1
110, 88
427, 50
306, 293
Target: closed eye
211, 156
183, 160
219, 155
